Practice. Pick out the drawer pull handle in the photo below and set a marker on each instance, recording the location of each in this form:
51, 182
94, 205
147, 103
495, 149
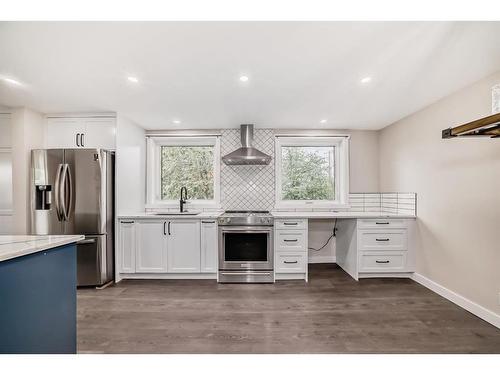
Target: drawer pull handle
295, 240
381, 261
290, 223
208, 222
288, 262
382, 239
381, 222
127, 222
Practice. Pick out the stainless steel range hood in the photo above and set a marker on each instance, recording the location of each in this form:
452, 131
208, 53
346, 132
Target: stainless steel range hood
247, 154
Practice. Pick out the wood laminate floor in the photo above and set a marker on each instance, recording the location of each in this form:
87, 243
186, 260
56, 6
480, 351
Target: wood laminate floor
331, 314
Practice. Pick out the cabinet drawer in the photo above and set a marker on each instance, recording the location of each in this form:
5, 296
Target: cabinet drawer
291, 240
376, 240
291, 224
291, 263
382, 223
382, 262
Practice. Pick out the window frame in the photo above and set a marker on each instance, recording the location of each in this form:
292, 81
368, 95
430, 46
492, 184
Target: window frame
153, 170
341, 171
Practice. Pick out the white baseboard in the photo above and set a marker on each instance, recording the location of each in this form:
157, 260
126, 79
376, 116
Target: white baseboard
322, 259
459, 300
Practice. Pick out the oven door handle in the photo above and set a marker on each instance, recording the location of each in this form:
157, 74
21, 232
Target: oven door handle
247, 229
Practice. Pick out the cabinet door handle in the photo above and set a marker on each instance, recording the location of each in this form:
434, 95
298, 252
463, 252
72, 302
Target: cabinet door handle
164, 228
381, 261
76, 140
290, 223
382, 239
208, 222
169, 228
288, 262
381, 223
295, 240
82, 140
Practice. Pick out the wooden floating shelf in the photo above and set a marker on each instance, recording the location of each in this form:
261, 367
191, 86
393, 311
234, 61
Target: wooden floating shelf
485, 127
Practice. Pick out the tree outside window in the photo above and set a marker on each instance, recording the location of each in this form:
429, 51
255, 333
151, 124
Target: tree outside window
307, 173
190, 166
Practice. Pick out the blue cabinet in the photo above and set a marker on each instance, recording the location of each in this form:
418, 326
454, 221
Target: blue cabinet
38, 302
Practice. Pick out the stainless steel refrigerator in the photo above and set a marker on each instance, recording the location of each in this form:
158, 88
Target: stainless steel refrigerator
72, 192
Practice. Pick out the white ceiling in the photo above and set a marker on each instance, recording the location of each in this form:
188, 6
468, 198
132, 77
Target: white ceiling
300, 72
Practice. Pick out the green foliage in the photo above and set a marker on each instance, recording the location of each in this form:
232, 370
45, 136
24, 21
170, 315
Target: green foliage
306, 174
192, 167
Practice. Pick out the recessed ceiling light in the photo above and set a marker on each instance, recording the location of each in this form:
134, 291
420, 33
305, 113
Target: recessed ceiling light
176, 122
11, 81
244, 78
323, 121
366, 79
133, 79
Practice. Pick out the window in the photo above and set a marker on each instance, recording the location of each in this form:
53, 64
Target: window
174, 162
312, 172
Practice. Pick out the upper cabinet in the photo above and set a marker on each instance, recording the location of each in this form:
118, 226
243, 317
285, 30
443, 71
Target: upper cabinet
81, 132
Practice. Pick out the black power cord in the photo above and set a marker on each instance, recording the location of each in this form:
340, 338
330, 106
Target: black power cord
334, 233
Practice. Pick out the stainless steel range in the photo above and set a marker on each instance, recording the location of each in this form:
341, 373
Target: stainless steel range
246, 247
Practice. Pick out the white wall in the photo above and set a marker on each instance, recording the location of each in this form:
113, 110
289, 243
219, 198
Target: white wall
28, 132
130, 166
457, 182
5, 171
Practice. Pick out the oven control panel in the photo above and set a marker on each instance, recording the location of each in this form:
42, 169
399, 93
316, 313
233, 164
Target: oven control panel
246, 220
224, 220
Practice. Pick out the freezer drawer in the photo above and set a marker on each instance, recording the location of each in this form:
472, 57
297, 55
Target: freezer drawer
94, 261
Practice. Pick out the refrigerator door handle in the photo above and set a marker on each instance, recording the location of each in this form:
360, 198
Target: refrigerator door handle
67, 214
67, 192
58, 193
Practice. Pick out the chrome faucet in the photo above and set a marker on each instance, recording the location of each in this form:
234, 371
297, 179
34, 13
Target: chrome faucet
184, 198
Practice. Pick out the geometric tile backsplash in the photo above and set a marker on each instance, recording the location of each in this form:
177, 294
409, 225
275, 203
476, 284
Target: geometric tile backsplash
247, 187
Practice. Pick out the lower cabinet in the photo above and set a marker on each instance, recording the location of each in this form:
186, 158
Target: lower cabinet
290, 249
151, 250
183, 246
209, 246
179, 246
376, 247
126, 246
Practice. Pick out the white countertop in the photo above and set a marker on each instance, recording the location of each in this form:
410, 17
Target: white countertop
151, 215
16, 246
276, 214
338, 215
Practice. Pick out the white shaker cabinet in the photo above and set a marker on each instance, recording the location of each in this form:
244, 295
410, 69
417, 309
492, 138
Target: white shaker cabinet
166, 248
183, 246
151, 250
127, 244
209, 247
64, 132
81, 132
99, 133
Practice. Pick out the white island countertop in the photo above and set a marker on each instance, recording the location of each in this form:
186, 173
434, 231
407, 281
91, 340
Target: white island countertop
338, 215
15, 246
